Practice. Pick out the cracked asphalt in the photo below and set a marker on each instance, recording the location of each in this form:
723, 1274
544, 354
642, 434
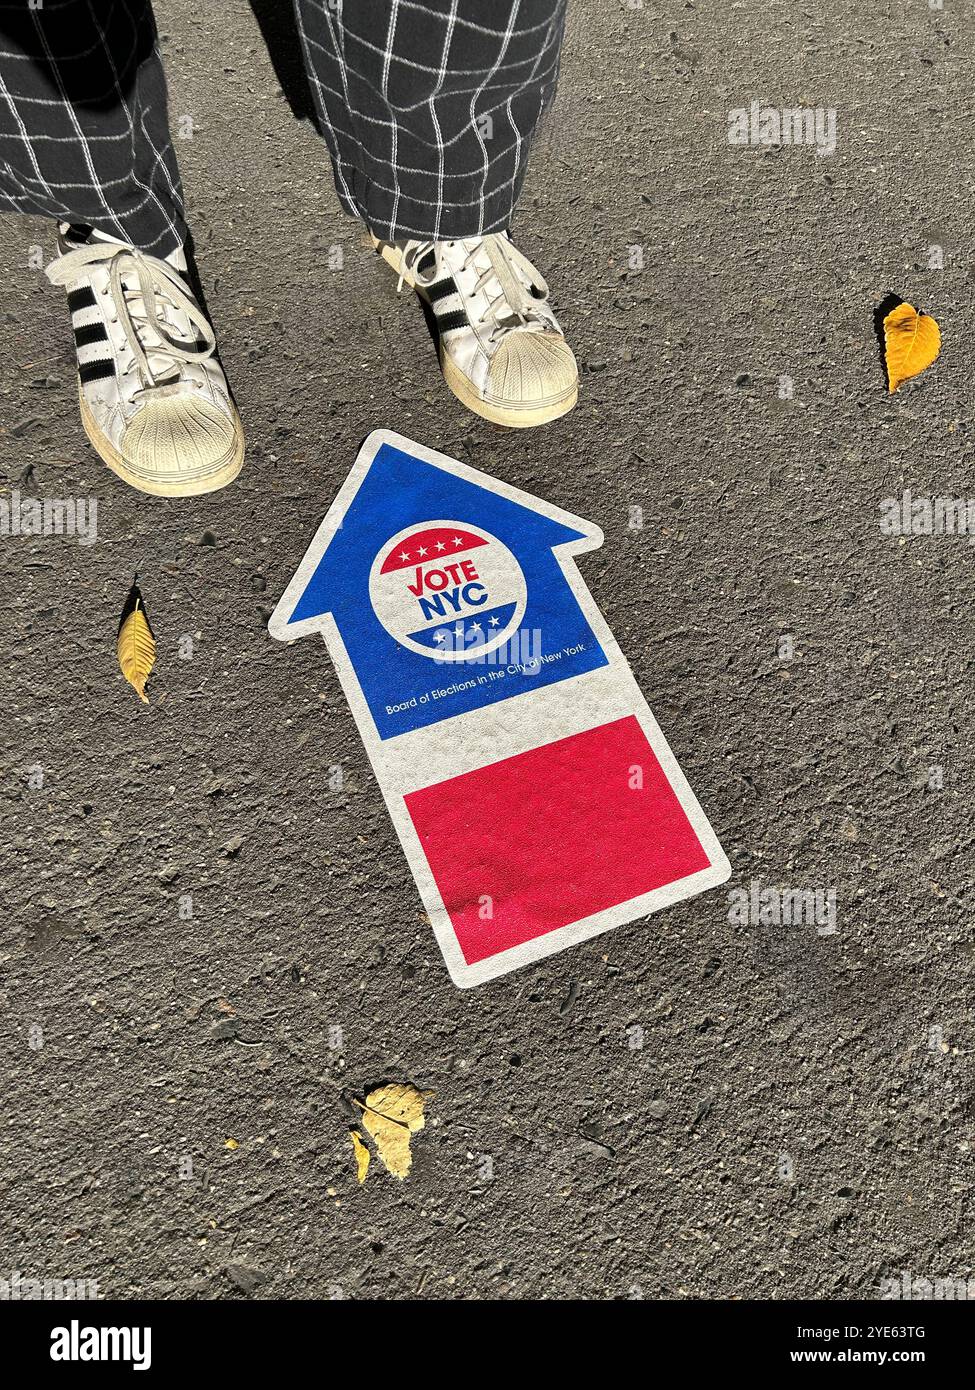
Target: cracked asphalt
693, 1106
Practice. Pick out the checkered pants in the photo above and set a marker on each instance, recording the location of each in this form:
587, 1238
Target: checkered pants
428, 108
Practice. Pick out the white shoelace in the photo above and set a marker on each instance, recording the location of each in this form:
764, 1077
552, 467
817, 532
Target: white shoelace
513, 305
161, 289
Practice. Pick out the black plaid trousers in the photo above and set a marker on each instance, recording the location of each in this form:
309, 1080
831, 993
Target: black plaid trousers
428, 108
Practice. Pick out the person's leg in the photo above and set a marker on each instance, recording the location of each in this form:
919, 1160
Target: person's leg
84, 136
84, 139
429, 108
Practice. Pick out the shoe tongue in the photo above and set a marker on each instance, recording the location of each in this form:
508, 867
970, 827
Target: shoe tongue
516, 295
477, 248
176, 257
471, 251
95, 235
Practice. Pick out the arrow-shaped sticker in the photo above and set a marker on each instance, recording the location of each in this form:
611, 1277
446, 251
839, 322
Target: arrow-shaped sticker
534, 795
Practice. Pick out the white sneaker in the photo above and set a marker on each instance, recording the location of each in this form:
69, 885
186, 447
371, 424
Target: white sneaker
154, 400
501, 349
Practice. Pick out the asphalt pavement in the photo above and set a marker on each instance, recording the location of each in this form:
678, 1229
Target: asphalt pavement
205, 949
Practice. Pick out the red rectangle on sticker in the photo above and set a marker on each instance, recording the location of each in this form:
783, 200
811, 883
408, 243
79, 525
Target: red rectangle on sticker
530, 844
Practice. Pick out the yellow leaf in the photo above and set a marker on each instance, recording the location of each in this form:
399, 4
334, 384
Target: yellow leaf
392, 1114
912, 341
362, 1155
231, 1144
136, 644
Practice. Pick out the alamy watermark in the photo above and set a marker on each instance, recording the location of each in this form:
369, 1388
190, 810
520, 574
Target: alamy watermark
50, 516
756, 124
474, 644
908, 515
758, 906
17, 1287
77, 1343
919, 1288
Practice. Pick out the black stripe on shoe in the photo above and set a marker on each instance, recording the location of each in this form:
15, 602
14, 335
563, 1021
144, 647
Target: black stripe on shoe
458, 319
82, 299
90, 333
440, 290
426, 262
95, 371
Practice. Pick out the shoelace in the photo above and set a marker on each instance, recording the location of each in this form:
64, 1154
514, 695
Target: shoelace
160, 286
514, 299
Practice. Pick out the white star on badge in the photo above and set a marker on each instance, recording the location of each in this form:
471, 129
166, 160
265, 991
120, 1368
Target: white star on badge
440, 637
495, 622
459, 629
475, 627
458, 541
441, 546
422, 550
404, 555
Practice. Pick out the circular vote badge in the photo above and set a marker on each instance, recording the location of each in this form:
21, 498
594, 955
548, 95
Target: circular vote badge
447, 590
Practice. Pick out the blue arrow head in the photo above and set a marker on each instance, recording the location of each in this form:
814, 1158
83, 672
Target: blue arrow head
441, 590
395, 485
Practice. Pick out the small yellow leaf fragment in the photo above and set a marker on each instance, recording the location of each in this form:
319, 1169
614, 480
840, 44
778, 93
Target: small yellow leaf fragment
136, 646
362, 1155
912, 341
392, 1115
231, 1144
